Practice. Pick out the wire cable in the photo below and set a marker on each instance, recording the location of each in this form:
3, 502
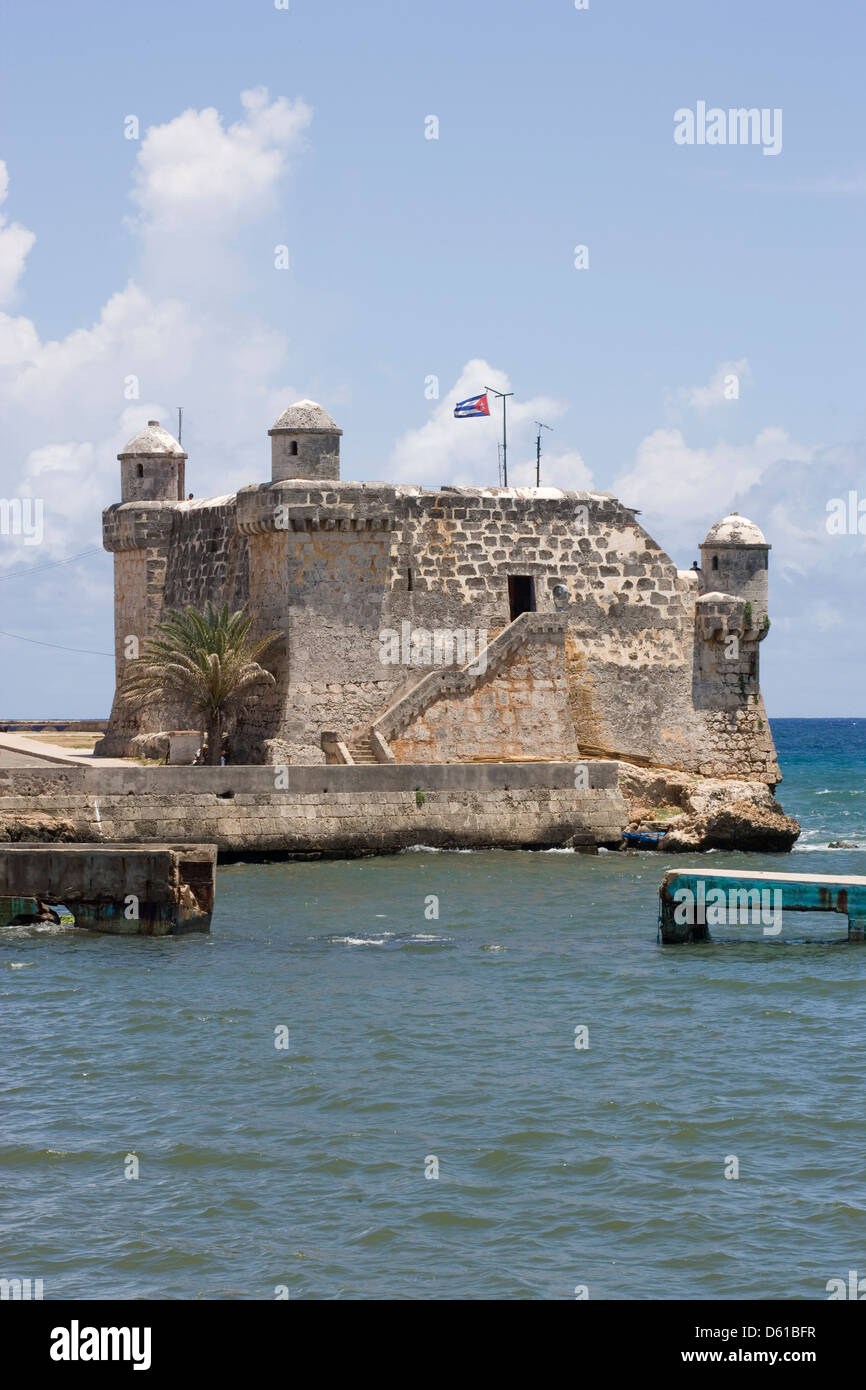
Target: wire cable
82, 651
26, 573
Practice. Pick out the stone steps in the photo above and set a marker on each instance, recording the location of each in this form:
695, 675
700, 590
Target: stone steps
362, 753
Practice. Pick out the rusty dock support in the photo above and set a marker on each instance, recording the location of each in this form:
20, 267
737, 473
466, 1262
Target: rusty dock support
694, 900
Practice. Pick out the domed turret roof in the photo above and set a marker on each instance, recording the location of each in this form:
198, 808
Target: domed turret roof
306, 415
735, 530
152, 440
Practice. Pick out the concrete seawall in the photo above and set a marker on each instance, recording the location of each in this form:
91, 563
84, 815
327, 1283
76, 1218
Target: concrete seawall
141, 890
337, 810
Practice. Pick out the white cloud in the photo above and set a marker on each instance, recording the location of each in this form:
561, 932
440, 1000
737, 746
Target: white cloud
194, 174
823, 616
199, 184
677, 486
201, 189
15, 243
464, 451
723, 387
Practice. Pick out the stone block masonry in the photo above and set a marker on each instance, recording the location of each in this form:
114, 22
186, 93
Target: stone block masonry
339, 810
640, 660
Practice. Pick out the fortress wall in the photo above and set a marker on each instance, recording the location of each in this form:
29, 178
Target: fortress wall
460, 545
207, 558
629, 647
518, 711
336, 583
167, 555
697, 711
738, 743
328, 810
335, 576
324, 588
130, 603
139, 534
726, 694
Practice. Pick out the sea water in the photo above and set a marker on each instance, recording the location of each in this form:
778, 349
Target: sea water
447, 1075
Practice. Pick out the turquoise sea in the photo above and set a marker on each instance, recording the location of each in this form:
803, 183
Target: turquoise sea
419, 1043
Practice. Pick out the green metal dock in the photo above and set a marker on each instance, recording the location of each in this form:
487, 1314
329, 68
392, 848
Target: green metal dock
694, 900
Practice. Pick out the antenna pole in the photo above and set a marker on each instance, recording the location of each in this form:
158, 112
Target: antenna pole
541, 426
504, 395
179, 422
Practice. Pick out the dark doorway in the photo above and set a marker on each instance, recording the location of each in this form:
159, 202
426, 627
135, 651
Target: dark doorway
521, 594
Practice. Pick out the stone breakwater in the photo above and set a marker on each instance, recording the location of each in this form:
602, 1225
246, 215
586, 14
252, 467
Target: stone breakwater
357, 810
342, 810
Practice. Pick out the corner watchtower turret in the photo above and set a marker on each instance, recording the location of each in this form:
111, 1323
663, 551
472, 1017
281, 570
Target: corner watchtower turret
305, 443
734, 560
152, 467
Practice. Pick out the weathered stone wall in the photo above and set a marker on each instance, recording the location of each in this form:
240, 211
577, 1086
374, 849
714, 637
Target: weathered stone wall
437, 560
327, 810
167, 555
741, 570
514, 709
726, 692
207, 556
332, 565
316, 455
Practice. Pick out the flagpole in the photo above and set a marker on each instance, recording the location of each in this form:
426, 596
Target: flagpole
504, 395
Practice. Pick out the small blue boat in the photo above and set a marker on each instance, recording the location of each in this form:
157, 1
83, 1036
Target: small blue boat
643, 839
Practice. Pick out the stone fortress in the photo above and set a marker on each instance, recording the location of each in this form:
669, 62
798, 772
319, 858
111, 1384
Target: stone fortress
446, 626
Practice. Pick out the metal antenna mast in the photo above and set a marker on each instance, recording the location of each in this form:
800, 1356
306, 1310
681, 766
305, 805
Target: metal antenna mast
179, 422
504, 395
541, 426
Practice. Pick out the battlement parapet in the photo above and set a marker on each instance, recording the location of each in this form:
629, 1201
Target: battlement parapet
137, 525
296, 505
718, 615
292, 507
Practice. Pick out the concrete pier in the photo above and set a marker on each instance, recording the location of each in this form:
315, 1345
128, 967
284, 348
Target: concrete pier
130, 890
693, 900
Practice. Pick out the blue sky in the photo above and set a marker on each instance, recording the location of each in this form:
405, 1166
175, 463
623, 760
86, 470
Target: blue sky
451, 257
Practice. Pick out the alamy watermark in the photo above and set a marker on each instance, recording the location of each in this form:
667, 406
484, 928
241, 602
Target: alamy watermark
737, 126
734, 907
23, 516
22, 1289
444, 646
855, 1288
846, 516
77, 1343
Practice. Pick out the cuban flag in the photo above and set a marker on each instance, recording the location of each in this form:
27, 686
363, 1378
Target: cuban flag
473, 405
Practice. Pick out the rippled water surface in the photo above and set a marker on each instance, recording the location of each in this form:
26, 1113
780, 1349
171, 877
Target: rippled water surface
413, 1037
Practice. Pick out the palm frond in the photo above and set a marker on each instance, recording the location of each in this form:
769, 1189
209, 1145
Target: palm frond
204, 660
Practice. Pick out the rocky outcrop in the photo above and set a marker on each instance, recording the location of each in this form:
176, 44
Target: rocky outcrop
700, 813
45, 829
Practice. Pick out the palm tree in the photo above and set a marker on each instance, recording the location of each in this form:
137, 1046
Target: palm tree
206, 662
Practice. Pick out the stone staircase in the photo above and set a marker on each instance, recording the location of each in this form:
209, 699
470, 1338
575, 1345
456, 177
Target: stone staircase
417, 694
451, 680
361, 752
